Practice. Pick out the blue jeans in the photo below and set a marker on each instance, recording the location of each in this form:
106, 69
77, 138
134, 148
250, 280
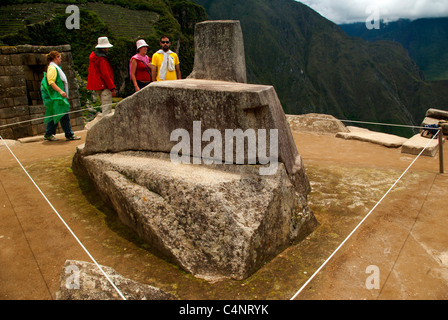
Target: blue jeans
65, 124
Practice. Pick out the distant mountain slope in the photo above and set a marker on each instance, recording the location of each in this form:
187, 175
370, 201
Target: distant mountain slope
40, 22
316, 67
425, 39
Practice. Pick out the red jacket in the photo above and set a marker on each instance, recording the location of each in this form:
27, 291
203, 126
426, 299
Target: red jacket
101, 75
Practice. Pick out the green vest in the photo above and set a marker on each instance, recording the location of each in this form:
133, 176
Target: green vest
56, 105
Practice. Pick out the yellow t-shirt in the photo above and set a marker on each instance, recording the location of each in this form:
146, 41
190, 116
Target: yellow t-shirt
157, 59
52, 74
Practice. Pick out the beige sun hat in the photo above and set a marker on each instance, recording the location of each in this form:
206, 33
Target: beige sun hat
103, 43
141, 43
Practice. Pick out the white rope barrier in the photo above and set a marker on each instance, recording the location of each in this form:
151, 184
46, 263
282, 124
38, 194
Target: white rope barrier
328, 259
65, 224
91, 109
361, 222
60, 114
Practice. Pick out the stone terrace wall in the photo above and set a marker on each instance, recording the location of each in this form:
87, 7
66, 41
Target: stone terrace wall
21, 71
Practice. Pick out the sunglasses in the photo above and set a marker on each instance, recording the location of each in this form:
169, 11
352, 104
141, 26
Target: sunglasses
163, 42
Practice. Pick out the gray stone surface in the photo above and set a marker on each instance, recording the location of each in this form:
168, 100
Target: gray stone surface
417, 143
217, 221
82, 280
145, 121
314, 122
361, 134
219, 51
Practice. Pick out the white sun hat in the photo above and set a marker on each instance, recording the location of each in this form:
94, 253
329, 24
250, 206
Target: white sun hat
141, 43
103, 43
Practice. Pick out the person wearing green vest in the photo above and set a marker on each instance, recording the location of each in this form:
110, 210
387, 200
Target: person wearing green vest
54, 90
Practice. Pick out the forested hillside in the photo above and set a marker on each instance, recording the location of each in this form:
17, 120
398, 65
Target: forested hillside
123, 21
316, 67
425, 39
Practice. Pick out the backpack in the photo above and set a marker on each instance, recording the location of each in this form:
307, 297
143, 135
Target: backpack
429, 130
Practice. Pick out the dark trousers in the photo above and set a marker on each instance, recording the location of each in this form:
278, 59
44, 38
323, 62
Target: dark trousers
65, 124
141, 85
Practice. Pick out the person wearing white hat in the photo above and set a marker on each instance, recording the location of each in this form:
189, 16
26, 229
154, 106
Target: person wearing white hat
139, 69
101, 76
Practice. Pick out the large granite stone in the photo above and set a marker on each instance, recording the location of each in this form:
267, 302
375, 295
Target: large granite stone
206, 171
216, 221
146, 120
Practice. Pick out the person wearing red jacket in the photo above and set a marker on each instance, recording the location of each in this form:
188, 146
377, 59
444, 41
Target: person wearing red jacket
101, 76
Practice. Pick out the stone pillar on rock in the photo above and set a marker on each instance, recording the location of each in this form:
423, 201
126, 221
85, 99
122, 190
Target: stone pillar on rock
219, 51
214, 216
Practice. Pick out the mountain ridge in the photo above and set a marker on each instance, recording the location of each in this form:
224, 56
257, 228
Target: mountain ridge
316, 67
426, 40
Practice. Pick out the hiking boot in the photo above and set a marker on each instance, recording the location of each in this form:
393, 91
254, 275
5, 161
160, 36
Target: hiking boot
73, 137
50, 138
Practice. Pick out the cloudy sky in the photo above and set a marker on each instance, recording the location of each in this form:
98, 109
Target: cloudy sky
346, 11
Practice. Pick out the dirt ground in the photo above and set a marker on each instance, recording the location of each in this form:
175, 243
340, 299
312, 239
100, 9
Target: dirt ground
399, 252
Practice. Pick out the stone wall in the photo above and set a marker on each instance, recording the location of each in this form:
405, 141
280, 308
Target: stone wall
21, 71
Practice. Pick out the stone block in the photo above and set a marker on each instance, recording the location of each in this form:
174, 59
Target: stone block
17, 60
19, 80
37, 109
41, 59
417, 143
428, 121
15, 111
365, 135
5, 60
14, 92
6, 82
29, 59
37, 128
6, 133
6, 50
21, 101
219, 51
6, 103
318, 123
91, 284
437, 114
21, 131
14, 70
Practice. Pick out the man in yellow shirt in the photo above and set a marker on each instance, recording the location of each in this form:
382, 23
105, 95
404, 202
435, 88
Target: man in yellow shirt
165, 63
